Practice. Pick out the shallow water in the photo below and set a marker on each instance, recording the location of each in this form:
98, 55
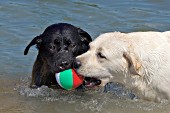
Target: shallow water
21, 20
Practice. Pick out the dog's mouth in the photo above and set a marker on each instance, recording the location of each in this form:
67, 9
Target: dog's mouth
61, 68
91, 82
58, 69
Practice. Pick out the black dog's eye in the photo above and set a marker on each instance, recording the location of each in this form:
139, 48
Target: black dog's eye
72, 45
100, 55
52, 47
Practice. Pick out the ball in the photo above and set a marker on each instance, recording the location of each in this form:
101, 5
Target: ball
69, 79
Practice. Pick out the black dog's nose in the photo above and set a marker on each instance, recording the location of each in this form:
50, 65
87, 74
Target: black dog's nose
64, 64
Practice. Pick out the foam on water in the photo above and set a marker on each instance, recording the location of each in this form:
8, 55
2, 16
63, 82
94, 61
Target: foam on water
96, 101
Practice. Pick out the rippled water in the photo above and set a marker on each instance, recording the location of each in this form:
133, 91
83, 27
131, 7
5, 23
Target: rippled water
21, 20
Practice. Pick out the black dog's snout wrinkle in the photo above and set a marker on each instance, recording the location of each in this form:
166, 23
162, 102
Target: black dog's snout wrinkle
65, 48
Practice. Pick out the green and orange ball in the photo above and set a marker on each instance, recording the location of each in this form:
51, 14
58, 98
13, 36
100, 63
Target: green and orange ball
69, 79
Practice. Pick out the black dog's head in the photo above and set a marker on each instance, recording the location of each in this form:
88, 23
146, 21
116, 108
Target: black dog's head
59, 44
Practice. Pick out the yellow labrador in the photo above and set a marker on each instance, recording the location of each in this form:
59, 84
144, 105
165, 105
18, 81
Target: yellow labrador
139, 60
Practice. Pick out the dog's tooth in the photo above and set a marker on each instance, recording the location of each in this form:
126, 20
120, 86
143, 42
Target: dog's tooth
60, 67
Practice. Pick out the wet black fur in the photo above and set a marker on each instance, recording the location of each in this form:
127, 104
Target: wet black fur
57, 48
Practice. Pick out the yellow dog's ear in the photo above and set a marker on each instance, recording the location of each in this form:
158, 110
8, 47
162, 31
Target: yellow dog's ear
134, 65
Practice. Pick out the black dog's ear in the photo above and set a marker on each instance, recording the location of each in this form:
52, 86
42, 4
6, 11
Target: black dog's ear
85, 37
36, 40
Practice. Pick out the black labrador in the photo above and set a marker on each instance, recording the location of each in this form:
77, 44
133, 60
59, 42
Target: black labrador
57, 48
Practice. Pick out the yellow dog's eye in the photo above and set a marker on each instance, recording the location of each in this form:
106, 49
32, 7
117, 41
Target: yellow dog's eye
100, 55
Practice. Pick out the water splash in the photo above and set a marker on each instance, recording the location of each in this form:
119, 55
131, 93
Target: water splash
114, 95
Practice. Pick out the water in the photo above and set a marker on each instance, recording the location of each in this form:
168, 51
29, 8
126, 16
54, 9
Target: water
22, 20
